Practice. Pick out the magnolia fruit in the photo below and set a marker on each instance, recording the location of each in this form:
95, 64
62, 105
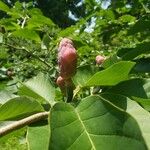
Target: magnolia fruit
64, 42
67, 58
64, 84
60, 82
99, 59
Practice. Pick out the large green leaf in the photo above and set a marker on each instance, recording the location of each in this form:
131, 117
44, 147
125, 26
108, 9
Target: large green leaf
19, 107
39, 88
38, 136
112, 75
135, 110
94, 124
133, 88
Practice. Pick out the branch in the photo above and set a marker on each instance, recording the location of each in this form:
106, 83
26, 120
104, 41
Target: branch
21, 123
35, 56
23, 23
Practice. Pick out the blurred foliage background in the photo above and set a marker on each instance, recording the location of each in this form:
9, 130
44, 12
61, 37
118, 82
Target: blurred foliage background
31, 30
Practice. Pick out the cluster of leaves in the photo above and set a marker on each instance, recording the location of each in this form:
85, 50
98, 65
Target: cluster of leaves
111, 103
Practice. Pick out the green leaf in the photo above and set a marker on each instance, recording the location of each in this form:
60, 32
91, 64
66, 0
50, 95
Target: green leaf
142, 65
1, 38
110, 61
112, 75
10, 24
131, 53
133, 88
14, 140
38, 136
94, 124
45, 41
67, 31
141, 25
127, 18
27, 34
36, 21
40, 88
144, 102
142, 116
19, 107
4, 7
4, 53
84, 73
6, 96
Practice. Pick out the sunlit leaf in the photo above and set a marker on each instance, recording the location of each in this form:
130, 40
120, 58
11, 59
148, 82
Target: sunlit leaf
4, 7
39, 88
19, 107
112, 75
6, 96
27, 34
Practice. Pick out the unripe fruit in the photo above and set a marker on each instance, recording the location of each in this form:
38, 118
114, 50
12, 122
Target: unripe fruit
99, 59
67, 58
60, 82
64, 84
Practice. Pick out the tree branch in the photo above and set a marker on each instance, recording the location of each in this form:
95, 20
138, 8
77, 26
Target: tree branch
21, 123
35, 56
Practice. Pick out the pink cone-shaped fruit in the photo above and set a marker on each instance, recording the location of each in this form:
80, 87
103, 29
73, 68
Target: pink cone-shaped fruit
67, 58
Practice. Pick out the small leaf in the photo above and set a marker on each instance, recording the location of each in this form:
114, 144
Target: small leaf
4, 7
110, 61
127, 18
1, 38
19, 107
84, 73
39, 88
36, 21
27, 34
67, 32
112, 75
6, 96
45, 41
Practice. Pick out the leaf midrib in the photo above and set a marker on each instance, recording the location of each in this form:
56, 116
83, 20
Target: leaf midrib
93, 146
